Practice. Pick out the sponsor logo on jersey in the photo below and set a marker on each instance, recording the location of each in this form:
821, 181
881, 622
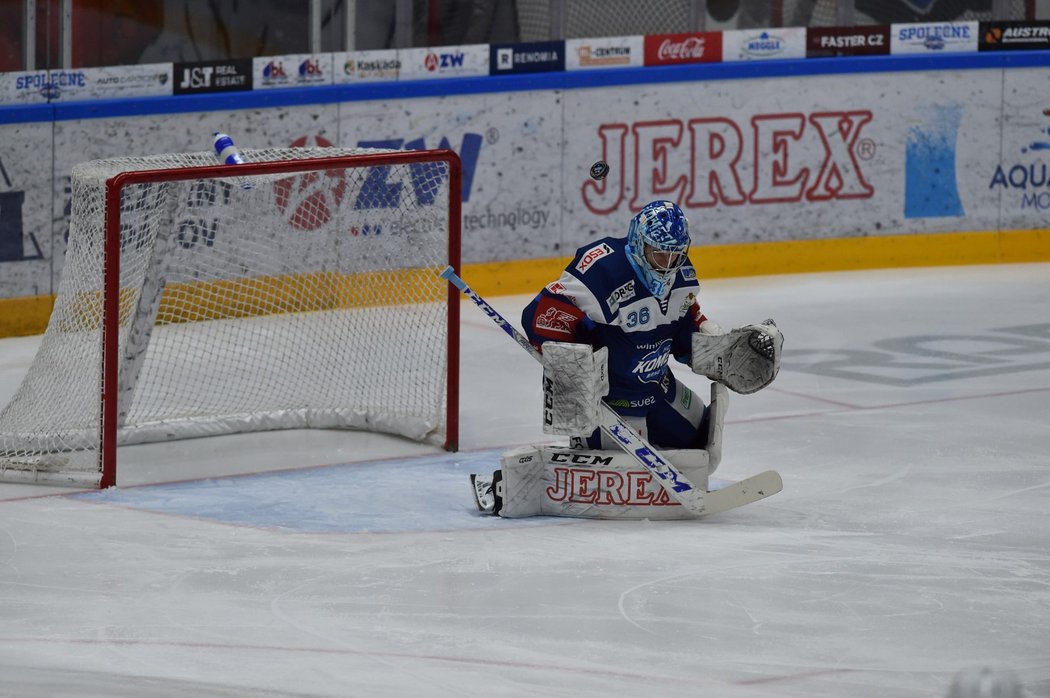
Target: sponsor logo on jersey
651, 400
624, 293
651, 367
688, 273
556, 287
591, 256
555, 320
687, 304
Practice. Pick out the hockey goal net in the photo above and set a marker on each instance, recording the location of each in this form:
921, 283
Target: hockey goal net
300, 289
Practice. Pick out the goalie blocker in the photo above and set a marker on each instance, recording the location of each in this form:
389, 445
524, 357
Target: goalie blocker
582, 483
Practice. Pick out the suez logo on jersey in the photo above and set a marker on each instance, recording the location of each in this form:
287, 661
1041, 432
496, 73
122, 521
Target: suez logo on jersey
593, 255
699, 163
827, 42
213, 76
670, 49
1007, 36
538, 57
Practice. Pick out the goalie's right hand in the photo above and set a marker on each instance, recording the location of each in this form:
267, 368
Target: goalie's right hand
575, 378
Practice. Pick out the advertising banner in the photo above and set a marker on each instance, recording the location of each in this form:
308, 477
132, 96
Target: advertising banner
25, 209
111, 82
76, 141
792, 158
444, 62
1020, 177
539, 57
297, 70
27, 87
213, 76
671, 49
763, 44
1014, 36
942, 37
366, 66
510, 146
828, 42
605, 52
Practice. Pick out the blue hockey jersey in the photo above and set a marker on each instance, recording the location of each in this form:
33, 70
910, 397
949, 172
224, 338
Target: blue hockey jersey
599, 300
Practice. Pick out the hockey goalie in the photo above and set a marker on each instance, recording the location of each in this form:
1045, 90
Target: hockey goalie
607, 329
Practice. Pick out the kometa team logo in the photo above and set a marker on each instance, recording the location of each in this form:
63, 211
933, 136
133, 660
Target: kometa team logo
651, 367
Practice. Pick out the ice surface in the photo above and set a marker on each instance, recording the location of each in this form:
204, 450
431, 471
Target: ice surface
911, 424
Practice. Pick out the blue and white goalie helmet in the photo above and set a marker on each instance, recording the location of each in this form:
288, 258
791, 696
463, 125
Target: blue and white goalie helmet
658, 245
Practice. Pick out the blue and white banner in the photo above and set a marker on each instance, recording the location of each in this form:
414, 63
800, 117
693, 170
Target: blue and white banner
296, 70
934, 37
764, 44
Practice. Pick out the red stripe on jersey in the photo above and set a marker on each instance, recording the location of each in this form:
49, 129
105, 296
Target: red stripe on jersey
696, 315
555, 319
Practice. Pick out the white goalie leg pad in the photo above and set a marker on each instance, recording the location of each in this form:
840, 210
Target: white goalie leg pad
560, 481
746, 359
575, 378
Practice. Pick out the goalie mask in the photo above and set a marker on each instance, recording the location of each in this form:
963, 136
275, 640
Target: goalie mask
658, 245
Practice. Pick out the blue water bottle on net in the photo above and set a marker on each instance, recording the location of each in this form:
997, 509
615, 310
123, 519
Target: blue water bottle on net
226, 150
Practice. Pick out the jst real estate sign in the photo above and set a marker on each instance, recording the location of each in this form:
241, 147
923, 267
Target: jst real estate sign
213, 76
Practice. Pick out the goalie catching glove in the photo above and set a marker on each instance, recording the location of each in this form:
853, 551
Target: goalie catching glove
745, 360
575, 378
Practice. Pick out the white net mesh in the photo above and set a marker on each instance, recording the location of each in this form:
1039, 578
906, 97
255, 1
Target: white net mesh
262, 302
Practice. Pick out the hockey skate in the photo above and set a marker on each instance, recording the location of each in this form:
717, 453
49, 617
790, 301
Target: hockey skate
487, 490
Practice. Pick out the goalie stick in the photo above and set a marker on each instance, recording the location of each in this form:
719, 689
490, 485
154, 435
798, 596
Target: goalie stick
670, 478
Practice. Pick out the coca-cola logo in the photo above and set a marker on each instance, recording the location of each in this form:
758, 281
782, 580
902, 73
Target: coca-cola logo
691, 48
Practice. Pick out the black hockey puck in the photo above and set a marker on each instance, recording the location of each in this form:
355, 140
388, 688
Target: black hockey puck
599, 169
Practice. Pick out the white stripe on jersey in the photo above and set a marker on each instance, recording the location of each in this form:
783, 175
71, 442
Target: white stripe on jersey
628, 315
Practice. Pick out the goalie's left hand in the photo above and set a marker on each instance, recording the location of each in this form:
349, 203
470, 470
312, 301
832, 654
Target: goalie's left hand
745, 359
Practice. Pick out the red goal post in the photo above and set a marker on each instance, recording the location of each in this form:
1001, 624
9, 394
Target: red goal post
299, 289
